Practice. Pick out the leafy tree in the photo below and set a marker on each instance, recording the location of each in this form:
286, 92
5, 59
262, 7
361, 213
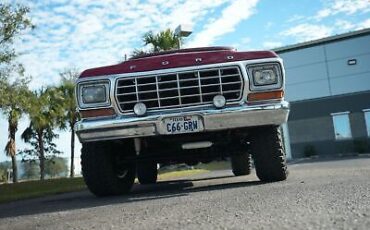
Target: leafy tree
139, 52
43, 114
14, 101
56, 166
164, 40
70, 115
30, 170
13, 20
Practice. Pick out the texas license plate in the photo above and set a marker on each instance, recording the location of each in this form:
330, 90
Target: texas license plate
183, 124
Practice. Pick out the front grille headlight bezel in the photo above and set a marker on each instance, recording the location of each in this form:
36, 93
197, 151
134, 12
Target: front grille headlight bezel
85, 87
255, 70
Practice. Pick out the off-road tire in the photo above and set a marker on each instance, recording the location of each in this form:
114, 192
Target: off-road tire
103, 172
147, 172
269, 154
241, 164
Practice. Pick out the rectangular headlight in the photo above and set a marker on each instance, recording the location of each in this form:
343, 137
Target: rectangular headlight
265, 76
93, 94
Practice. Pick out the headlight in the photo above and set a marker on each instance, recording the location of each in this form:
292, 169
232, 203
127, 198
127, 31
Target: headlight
265, 76
93, 94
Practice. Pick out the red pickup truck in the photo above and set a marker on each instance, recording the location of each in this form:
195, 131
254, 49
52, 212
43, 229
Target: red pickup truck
181, 106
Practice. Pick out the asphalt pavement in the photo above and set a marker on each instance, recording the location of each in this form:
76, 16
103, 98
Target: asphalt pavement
319, 194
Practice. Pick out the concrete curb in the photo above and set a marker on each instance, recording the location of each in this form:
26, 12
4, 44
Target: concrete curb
325, 158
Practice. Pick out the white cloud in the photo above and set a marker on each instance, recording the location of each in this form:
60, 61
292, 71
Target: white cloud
242, 44
90, 33
347, 7
231, 16
335, 17
295, 18
364, 24
90, 25
306, 32
344, 25
323, 13
272, 44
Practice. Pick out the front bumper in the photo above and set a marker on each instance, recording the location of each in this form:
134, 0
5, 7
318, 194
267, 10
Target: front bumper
213, 120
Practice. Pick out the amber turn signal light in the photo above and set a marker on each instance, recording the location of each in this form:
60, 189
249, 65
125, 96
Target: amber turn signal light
263, 96
97, 113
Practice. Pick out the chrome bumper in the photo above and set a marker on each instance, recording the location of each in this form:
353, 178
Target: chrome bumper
213, 120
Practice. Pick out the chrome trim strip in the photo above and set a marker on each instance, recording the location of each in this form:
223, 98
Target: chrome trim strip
200, 88
157, 89
213, 120
178, 88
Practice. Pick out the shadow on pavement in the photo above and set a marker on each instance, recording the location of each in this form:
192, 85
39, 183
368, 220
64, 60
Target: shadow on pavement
84, 199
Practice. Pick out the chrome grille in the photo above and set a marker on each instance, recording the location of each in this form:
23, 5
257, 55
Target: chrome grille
181, 89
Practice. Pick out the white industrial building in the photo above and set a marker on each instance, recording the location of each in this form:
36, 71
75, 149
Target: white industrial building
328, 86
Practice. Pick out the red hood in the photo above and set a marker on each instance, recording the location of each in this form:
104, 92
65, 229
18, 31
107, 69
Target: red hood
177, 58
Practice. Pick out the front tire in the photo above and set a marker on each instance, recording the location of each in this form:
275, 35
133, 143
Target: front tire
105, 171
147, 172
269, 154
241, 164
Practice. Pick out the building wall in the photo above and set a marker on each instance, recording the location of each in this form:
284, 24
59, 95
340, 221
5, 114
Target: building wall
323, 70
319, 82
310, 123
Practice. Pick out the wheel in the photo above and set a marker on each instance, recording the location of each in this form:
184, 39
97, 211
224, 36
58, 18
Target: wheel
147, 172
241, 164
104, 171
269, 154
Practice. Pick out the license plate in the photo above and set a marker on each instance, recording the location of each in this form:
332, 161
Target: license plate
184, 124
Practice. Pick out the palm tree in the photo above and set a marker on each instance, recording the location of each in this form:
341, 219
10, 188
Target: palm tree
164, 40
43, 114
70, 115
13, 103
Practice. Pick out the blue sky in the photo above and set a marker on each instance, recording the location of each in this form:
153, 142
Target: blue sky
89, 33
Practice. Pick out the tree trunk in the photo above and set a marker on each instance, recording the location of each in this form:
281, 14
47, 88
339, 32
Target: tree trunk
15, 169
11, 147
41, 155
72, 174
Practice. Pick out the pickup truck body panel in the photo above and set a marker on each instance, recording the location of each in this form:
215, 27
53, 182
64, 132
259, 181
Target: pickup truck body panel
176, 59
236, 114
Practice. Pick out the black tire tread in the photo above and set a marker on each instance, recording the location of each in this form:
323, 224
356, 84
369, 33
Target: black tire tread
147, 172
241, 164
269, 154
98, 172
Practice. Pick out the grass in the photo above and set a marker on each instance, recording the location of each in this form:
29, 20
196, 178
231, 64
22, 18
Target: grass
181, 173
197, 169
33, 189
214, 165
